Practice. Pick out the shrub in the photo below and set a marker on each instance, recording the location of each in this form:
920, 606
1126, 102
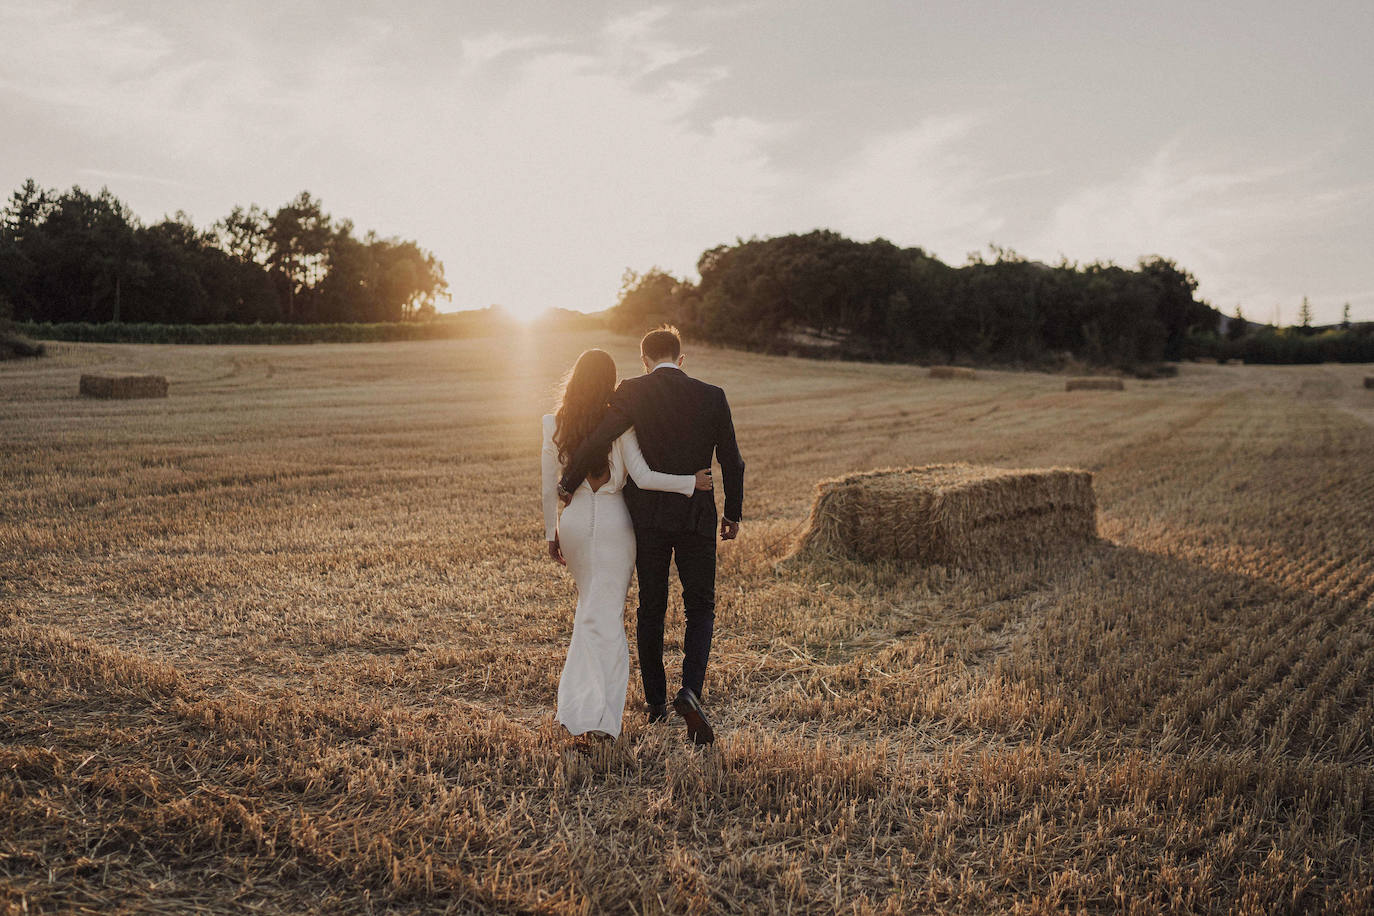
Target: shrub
473, 325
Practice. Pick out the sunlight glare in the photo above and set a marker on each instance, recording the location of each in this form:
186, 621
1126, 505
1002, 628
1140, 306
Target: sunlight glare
527, 314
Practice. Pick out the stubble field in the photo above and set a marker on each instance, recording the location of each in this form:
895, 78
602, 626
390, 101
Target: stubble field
289, 641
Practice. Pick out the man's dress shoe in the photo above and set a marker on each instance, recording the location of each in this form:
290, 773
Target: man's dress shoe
689, 707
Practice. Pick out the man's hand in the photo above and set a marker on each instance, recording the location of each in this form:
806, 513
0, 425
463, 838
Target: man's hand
556, 553
728, 530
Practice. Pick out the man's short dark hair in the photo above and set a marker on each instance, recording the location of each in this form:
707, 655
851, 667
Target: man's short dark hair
662, 343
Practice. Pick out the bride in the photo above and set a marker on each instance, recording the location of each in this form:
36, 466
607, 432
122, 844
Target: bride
596, 541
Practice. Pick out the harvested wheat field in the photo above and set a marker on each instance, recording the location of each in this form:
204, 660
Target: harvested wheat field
289, 641
956, 372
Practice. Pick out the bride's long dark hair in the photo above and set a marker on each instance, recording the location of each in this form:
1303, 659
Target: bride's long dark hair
582, 404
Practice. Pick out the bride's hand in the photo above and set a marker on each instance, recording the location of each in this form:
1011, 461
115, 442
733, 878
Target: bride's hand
704, 480
556, 553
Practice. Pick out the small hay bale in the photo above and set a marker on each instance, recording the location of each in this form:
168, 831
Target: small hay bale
952, 372
1098, 383
1152, 371
124, 386
950, 515
17, 346
1369, 381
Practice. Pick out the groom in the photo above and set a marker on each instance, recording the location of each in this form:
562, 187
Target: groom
680, 422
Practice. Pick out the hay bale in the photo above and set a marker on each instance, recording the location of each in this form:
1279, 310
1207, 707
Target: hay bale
1369, 381
1095, 383
124, 386
951, 372
17, 346
951, 515
1152, 371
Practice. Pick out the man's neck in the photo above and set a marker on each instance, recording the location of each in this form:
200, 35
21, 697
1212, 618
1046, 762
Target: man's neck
666, 364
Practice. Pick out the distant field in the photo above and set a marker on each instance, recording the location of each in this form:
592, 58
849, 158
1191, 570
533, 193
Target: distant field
288, 640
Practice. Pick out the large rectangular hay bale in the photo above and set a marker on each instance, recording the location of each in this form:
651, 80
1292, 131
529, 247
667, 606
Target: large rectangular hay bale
124, 386
1099, 383
951, 514
952, 372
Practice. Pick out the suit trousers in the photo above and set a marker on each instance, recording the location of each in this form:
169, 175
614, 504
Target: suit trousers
695, 556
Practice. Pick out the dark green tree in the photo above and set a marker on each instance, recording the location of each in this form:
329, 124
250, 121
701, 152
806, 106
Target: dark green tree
297, 237
647, 300
821, 292
74, 256
1237, 327
1305, 317
243, 234
410, 280
1175, 303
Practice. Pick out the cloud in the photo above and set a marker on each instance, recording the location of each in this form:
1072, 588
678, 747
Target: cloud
577, 164
923, 185
130, 85
540, 170
483, 50
536, 167
1238, 229
108, 175
636, 45
64, 54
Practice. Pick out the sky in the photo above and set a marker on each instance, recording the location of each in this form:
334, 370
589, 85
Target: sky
540, 149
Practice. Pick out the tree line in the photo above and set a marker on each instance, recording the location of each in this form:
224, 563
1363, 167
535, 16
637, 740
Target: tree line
85, 261
820, 292
74, 256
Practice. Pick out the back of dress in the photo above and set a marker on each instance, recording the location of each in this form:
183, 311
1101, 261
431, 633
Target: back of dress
619, 471
626, 462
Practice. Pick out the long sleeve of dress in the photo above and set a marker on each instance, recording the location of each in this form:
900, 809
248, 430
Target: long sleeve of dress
548, 460
648, 479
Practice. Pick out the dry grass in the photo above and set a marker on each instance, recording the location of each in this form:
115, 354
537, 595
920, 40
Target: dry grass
123, 386
955, 372
1091, 383
288, 642
949, 515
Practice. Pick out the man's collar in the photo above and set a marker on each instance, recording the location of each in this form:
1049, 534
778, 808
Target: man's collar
667, 364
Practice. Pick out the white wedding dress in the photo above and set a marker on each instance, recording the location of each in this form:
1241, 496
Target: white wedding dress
598, 541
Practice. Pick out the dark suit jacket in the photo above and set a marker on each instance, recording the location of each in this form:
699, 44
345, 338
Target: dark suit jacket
680, 422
